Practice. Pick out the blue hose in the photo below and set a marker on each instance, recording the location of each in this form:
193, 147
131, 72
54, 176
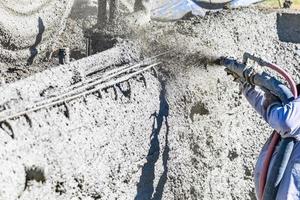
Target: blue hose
284, 153
277, 170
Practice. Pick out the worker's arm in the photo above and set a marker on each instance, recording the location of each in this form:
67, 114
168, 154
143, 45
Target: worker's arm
259, 100
283, 118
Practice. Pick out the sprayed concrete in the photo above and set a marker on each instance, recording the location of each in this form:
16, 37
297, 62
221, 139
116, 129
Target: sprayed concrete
184, 134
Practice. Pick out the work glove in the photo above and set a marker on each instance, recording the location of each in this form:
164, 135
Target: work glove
269, 99
238, 70
241, 82
233, 67
228, 69
236, 77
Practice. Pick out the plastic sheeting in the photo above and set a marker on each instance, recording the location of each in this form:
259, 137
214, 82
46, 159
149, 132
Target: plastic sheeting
168, 10
176, 9
242, 3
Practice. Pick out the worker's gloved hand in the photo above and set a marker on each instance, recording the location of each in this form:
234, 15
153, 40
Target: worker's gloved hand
269, 99
241, 82
236, 77
233, 67
225, 61
238, 70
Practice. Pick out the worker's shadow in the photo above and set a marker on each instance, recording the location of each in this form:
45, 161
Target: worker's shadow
145, 187
33, 49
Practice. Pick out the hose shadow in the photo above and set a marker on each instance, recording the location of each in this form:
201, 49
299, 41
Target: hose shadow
33, 50
145, 187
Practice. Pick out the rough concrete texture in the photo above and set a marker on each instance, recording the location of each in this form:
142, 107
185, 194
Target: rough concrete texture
186, 134
30, 27
56, 80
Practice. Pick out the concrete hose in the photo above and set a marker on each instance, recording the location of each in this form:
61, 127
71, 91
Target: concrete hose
286, 146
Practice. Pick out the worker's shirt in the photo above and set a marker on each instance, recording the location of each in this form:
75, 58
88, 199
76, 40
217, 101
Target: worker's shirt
285, 119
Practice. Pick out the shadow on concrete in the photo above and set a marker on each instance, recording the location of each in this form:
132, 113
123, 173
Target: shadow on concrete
145, 187
33, 50
288, 27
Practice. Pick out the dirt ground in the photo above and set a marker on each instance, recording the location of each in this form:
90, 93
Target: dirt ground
184, 133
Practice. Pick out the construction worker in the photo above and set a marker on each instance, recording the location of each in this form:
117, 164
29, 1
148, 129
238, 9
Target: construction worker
110, 15
285, 119
277, 171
